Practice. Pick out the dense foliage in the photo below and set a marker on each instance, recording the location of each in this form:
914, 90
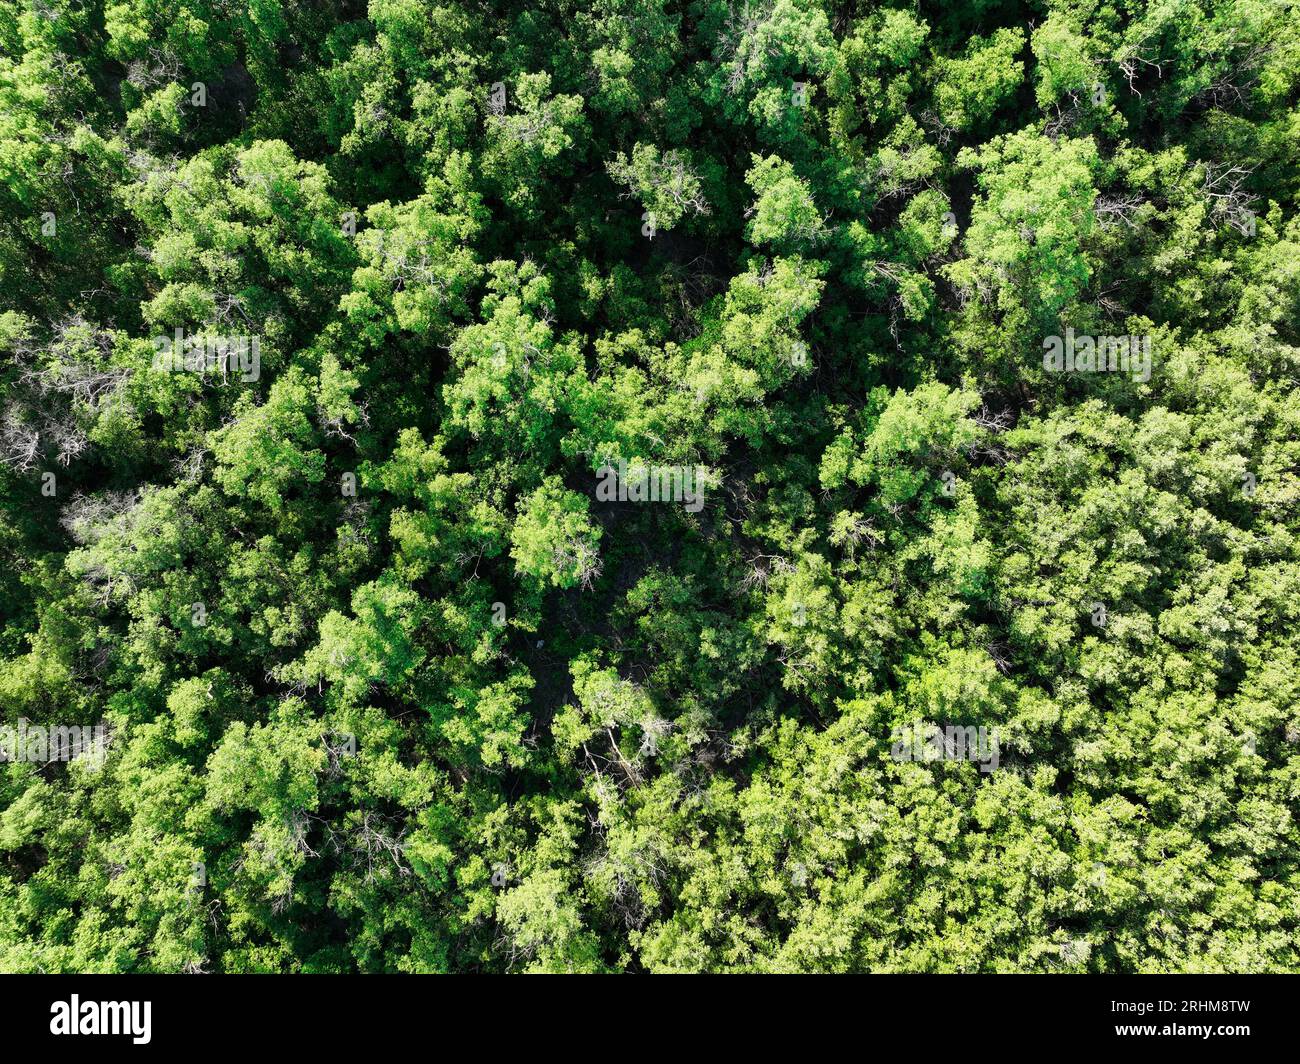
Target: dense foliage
389, 683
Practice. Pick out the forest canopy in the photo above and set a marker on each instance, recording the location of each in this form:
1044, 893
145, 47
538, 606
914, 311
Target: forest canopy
644, 485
